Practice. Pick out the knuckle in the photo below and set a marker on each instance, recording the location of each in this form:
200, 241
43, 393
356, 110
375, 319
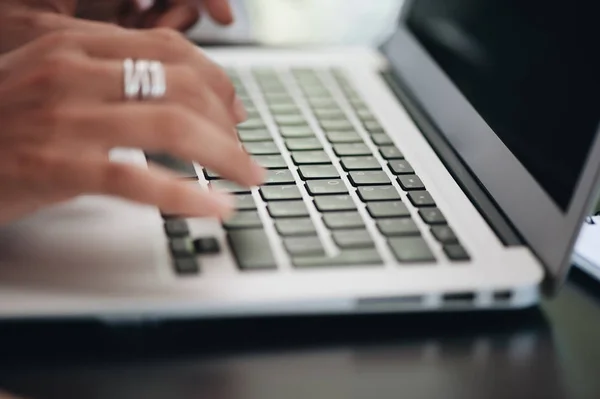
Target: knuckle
60, 39
173, 123
39, 163
115, 178
185, 80
223, 84
55, 120
171, 39
53, 71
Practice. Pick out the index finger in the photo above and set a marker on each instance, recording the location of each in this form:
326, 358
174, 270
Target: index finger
179, 14
219, 10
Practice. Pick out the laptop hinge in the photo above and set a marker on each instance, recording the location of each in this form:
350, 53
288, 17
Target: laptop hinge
476, 193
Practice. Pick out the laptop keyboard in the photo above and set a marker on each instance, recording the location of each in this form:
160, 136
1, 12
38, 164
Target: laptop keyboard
323, 182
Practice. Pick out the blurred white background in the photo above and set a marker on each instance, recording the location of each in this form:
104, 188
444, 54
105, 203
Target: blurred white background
291, 22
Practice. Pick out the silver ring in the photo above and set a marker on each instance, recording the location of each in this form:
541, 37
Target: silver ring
144, 80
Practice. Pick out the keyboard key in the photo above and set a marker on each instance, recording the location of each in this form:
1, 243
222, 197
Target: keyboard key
186, 266
322, 102
329, 114
243, 220
287, 209
280, 193
351, 149
343, 137
261, 148
411, 249
326, 187
273, 89
295, 227
252, 112
255, 135
251, 249
304, 144
315, 91
456, 252
432, 216
378, 193
354, 100
353, 239
400, 167
398, 227
365, 115
331, 203
247, 102
181, 247
339, 124
410, 182
444, 234
390, 152
360, 163
381, 139
252, 124
343, 220
349, 257
270, 161
387, 209
228, 187
296, 131
368, 178
279, 109
278, 98
210, 175
290, 120
310, 157
183, 169
304, 246
421, 199
206, 246
279, 176
309, 172
244, 202
176, 228
373, 127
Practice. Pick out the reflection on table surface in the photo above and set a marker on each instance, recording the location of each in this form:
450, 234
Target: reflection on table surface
491, 355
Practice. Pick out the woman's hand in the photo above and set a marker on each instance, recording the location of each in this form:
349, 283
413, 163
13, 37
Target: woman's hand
24, 20
175, 14
62, 111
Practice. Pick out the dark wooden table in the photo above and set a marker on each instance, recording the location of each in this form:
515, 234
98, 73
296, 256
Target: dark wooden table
548, 352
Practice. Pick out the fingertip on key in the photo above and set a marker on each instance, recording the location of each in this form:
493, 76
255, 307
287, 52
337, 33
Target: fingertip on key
224, 205
258, 173
239, 110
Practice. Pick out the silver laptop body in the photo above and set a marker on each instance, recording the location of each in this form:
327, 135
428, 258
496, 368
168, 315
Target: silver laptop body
400, 180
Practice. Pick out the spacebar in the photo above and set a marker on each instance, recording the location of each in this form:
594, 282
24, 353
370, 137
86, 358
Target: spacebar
358, 257
251, 249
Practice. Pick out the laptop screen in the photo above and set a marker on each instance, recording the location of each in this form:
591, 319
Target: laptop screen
531, 69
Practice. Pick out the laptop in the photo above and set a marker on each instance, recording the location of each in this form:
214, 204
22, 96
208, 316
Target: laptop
450, 170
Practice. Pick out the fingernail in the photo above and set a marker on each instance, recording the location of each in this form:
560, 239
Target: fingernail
145, 5
240, 110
